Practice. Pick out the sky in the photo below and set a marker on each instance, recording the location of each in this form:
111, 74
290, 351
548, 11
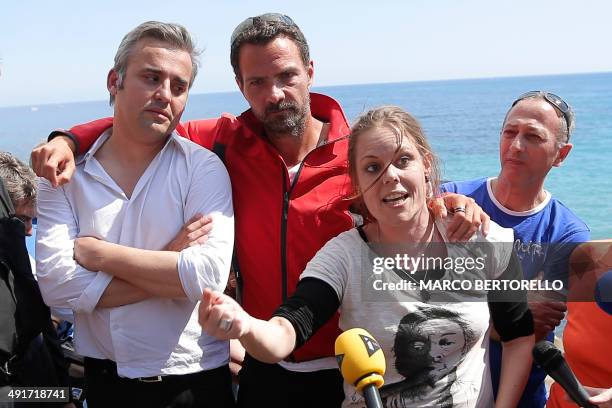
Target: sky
60, 51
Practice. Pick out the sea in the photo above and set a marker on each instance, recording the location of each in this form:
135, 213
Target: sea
462, 119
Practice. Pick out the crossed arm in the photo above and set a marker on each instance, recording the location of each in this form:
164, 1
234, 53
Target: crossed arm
84, 272
125, 287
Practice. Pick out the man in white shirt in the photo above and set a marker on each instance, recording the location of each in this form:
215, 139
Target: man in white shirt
101, 238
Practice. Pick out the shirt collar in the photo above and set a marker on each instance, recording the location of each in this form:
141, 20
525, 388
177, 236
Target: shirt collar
174, 138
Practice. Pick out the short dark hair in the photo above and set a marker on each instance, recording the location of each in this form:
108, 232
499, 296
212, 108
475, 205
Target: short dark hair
263, 29
567, 120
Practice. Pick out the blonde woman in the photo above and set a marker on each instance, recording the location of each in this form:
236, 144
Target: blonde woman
436, 348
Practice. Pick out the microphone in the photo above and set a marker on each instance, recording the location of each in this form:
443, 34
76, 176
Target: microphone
603, 292
551, 360
362, 364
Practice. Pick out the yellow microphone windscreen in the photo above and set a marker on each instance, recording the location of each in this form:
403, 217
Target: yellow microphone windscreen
360, 358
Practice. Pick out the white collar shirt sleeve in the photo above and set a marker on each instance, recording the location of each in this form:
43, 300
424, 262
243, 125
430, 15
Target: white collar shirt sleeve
158, 335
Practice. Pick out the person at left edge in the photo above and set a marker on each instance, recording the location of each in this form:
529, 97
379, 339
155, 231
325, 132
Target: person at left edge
101, 238
30, 352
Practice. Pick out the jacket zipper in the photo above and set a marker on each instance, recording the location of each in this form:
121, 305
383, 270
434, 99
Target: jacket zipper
283, 237
284, 217
285, 213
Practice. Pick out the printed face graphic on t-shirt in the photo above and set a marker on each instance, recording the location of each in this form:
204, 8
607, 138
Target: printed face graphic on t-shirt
429, 345
446, 341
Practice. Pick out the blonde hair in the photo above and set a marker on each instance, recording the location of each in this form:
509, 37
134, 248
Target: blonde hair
403, 125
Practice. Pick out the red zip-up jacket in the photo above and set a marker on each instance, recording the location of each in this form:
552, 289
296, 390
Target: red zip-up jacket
279, 225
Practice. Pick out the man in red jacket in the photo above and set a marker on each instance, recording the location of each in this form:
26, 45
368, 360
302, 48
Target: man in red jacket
287, 159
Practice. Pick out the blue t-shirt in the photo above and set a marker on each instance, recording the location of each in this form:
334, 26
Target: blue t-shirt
543, 239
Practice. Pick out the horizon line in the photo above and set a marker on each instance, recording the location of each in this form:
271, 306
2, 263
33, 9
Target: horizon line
339, 86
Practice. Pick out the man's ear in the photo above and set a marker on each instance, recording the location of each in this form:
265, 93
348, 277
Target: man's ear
112, 82
562, 154
239, 83
310, 73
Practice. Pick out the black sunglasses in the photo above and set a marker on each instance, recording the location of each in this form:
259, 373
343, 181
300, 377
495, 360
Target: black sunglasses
259, 20
555, 100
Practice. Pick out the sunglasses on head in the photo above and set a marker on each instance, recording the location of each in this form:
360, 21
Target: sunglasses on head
259, 20
555, 100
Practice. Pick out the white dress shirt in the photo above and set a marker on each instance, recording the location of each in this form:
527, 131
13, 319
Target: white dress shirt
156, 336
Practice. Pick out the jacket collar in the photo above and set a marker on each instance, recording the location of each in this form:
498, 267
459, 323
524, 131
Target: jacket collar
322, 107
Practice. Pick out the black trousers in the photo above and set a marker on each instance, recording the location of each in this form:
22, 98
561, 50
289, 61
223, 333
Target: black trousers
104, 388
271, 386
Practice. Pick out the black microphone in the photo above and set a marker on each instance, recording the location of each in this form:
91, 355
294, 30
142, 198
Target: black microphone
551, 360
603, 292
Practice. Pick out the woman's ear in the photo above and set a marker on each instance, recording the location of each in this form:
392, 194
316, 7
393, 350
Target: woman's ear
427, 164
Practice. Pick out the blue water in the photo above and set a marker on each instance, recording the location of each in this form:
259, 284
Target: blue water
462, 119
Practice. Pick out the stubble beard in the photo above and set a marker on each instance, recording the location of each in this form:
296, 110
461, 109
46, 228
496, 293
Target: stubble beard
292, 122
155, 130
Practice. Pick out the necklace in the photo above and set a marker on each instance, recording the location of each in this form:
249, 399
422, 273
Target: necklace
424, 293
417, 276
